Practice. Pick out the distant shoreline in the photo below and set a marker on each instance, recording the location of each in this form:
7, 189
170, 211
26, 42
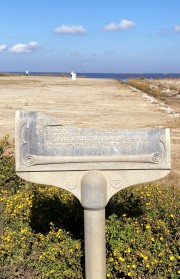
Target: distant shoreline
33, 74
119, 76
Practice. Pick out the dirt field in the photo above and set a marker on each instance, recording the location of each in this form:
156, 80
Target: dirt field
99, 103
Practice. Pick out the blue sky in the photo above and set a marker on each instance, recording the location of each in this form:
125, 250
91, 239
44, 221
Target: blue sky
112, 36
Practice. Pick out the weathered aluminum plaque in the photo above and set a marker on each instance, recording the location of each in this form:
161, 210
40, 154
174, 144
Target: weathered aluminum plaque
44, 144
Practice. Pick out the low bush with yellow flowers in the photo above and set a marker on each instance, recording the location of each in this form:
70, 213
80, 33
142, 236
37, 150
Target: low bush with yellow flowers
41, 229
143, 233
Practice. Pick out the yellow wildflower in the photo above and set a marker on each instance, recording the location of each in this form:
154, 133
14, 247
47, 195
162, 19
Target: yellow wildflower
121, 259
172, 258
133, 266
129, 250
115, 252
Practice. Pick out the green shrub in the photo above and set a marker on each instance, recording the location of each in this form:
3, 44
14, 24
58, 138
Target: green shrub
146, 244
8, 178
30, 245
56, 255
41, 230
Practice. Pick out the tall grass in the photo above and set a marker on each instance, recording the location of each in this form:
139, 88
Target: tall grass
144, 86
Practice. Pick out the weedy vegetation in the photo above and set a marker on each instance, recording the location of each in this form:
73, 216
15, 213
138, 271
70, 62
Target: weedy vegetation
41, 229
143, 85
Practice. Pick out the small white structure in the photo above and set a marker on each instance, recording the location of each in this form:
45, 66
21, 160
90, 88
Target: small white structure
73, 75
27, 73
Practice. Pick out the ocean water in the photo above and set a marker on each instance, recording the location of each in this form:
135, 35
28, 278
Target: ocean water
126, 76
119, 76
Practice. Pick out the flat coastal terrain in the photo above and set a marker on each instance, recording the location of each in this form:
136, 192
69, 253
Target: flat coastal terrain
98, 103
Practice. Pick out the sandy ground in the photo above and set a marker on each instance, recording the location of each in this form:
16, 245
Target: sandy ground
99, 103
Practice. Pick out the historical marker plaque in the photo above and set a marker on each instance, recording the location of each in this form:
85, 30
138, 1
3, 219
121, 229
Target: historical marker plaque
44, 144
92, 164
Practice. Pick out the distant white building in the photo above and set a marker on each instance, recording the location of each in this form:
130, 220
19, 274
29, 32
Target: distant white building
73, 75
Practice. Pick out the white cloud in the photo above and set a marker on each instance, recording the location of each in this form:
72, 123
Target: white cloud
3, 47
176, 28
24, 48
124, 24
70, 29
76, 54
